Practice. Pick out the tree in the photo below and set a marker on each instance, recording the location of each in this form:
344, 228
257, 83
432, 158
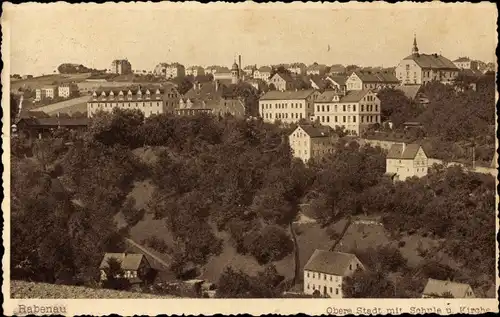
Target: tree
367, 284
233, 284
14, 108
118, 127
115, 275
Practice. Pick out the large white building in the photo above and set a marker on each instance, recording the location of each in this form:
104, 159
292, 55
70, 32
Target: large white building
417, 68
360, 80
326, 270
195, 71
354, 111
46, 92
170, 70
443, 289
67, 90
406, 160
120, 66
150, 100
287, 106
311, 141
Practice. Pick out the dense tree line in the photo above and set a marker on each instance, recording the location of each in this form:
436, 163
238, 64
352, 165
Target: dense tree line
221, 174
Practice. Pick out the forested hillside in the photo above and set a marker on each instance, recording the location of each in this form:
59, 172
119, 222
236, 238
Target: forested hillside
216, 176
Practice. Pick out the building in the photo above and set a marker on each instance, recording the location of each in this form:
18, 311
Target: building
317, 82
297, 68
355, 111
415, 93
466, 63
360, 80
325, 271
33, 127
195, 71
67, 90
311, 141
136, 267
46, 92
418, 69
249, 70
447, 289
406, 160
338, 83
282, 82
317, 69
149, 99
337, 69
168, 71
121, 67
287, 106
213, 98
264, 73
217, 70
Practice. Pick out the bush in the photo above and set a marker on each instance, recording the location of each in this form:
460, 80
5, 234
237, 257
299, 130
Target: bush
271, 244
157, 244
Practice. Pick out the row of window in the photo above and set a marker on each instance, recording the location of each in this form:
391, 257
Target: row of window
347, 119
321, 151
293, 105
125, 104
346, 108
324, 288
283, 115
408, 170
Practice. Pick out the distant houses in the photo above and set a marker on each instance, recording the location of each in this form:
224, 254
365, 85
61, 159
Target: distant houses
325, 271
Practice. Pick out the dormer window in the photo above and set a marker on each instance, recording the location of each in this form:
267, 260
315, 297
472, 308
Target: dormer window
111, 94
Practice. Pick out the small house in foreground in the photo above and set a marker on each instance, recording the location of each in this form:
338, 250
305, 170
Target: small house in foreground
325, 271
447, 289
135, 266
406, 160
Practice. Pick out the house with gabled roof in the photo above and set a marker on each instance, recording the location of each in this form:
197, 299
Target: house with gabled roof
311, 141
135, 266
287, 106
337, 69
325, 272
282, 82
466, 63
338, 83
317, 69
297, 68
360, 80
263, 72
447, 289
419, 68
406, 160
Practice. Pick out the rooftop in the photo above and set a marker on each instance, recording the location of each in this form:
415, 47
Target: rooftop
287, 95
376, 77
433, 61
403, 151
335, 263
129, 261
316, 131
439, 288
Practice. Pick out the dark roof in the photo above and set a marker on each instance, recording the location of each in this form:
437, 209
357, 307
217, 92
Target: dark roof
471, 72
337, 68
338, 79
54, 121
265, 69
327, 96
354, 95
287, 78
433, 61
134, 89
316, 131
439, 288
405, 152
317, 67
129, 261
287, 95
318, 80
335, 263
377, 77
410, 91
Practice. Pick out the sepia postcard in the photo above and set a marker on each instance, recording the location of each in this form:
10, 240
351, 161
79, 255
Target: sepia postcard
258, 158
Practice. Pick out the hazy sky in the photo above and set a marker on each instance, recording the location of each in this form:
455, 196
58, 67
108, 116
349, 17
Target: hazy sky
44, 36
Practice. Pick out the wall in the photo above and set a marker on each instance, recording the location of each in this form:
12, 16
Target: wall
287, 111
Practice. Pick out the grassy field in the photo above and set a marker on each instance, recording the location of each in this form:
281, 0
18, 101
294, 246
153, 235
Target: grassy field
55, 79
22, 289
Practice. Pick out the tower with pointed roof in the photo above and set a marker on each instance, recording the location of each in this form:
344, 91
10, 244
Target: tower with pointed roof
415, 47
235, 73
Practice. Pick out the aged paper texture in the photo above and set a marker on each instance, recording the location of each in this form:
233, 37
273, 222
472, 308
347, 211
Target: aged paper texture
249, 158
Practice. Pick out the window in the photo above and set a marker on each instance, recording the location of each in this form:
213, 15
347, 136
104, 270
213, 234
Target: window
331, 278
331, 289
328, 108
323, 108
324, 276
343, 119
314, 286
314, 275
307, 285
307, 274
353, 118
376, 107
350, 266
343, 108
336, 291
353, 107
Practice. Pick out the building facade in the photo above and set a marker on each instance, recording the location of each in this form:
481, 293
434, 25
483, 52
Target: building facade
149, 100
316, 69
447, 289
354, 111
282, 82
406, 160
136, 267
466, 63
121, 67
168, 71
263, 73
67, 90
418, 69
195, 71
287, 106
325, 271
311, 141
297, 68
360, 80
47, 92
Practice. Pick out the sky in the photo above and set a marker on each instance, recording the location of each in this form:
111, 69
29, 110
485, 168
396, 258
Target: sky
42, 36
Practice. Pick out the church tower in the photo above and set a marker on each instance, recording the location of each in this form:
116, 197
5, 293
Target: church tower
235, 73
414, 51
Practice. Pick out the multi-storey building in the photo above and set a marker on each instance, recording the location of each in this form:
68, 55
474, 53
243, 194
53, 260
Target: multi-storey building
317, 69
249, 70
264, 73
213, 98
150, 100
310, 141
173, 70
360, 80
325, 271
417, 69
466, 63
282, 82
337, 69
120, 66
46, 92
195, 71
338, 83
287, 106
297, 68
354, 111
67, 90
406, 160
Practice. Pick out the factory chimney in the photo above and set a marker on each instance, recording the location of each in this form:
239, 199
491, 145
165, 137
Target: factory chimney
240, 69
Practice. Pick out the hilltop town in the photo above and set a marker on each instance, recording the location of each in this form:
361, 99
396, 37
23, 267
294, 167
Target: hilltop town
267, 181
